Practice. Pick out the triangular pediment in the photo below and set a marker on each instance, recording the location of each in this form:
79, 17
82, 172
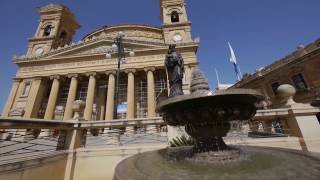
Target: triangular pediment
101, 47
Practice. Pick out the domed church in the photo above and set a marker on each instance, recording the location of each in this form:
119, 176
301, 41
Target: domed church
56, 71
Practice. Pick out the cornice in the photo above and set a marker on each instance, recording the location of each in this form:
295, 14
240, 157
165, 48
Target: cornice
188, 23
41, 39
163, 49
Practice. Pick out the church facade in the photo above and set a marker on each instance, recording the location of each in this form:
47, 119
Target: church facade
57, 71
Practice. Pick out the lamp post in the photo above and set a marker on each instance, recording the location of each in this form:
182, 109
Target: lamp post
119, 49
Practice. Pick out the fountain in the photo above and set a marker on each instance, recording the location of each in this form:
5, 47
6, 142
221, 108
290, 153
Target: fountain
206, 118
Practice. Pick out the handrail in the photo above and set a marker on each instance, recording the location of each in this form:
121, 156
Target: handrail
18, 123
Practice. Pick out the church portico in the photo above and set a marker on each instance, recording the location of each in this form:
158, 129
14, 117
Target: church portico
137, 92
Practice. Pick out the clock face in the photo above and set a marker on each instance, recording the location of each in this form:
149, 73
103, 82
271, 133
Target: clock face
39, 51
177, 37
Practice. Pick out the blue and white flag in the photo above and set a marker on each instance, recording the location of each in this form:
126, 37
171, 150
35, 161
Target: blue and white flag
233, 60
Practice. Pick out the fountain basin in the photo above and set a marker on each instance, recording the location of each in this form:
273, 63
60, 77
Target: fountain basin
223, 106
254, 163
207, 117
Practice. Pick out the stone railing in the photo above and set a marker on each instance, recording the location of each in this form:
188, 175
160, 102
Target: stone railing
26, 139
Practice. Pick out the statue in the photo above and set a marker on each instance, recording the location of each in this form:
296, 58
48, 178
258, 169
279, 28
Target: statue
175, 70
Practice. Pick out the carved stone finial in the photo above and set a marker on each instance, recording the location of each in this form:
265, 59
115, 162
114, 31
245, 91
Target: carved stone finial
199, 84
286, 93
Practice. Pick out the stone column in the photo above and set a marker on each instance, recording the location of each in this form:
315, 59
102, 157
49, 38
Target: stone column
49, 114
34, 98
110, 95
11, 98
101, 104
68, 113
90, 96
130, 94
151, 92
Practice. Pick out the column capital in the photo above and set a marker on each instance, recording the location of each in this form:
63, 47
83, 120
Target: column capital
73, 75
130, 71
147, 69
91, 74
55, 77
110, 72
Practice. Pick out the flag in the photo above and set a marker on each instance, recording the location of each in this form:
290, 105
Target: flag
233, 60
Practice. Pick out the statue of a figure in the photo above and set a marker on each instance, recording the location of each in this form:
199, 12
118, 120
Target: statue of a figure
175, 69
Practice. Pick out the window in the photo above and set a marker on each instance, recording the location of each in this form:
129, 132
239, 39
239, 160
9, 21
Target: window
82, 92
175, 17
63, 36
274, 87
47, 30
299, 82
142, 101
160, 85
122, 103
26, 89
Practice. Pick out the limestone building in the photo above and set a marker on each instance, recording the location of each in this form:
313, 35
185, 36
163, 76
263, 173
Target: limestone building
301, 69
57, 71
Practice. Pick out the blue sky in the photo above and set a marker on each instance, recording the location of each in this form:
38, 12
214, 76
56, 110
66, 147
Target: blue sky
261, 32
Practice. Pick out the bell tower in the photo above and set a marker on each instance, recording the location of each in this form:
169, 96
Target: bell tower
56, 28
176, 26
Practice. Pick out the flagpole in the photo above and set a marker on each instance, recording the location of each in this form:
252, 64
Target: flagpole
218, 80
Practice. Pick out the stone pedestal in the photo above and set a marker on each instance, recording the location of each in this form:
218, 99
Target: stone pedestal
302, 119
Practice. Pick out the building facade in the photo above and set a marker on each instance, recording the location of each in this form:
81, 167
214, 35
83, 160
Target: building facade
57, 71
301, 69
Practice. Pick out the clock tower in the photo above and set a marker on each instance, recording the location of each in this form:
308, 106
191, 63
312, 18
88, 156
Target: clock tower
56, 28
176, 26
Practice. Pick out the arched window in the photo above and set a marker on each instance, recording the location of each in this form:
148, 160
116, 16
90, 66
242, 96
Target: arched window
63, 36
175, 17
47, 30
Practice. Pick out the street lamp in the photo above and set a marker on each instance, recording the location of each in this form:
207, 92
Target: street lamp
119, 49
